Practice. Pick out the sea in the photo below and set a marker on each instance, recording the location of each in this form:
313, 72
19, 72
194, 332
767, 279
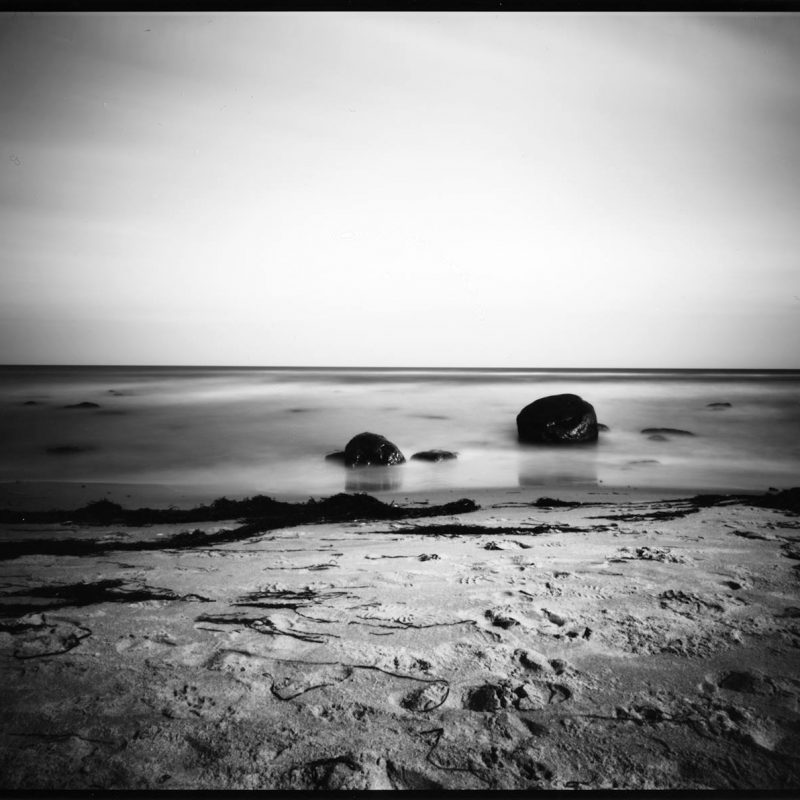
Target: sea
244, 431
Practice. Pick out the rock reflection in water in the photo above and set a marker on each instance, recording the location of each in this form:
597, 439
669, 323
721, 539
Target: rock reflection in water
553, 467
373, 479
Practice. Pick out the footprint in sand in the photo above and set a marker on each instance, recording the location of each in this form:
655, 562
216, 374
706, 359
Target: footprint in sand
284, 680
556, 619
42, 636
524, 697
745, 682
426, 698
469, 579
157, 643
501, 620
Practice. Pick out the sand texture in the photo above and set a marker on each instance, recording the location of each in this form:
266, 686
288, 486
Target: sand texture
620, 643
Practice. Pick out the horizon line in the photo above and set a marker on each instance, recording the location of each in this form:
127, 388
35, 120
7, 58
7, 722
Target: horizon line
399, 369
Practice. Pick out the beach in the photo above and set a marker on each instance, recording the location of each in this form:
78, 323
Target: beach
193, 597
399, 401
626, 641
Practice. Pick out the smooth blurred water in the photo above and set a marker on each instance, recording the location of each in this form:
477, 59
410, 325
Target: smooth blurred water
267, 430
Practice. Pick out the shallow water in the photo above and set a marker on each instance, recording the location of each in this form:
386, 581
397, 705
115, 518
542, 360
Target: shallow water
267, 430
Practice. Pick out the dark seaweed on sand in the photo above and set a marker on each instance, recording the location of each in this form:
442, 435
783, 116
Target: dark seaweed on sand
85, 594
259, 514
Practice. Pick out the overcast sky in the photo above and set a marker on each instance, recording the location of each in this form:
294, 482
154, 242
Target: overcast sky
411, 189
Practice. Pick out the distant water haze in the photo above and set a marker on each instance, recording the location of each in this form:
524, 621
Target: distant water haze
267, 430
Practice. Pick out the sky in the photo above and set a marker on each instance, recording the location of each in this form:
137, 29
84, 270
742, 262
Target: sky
400, 189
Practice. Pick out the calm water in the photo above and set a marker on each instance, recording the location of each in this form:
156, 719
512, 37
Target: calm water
267, 430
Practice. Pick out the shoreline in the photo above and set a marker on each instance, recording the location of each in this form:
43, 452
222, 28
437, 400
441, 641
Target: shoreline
67, 495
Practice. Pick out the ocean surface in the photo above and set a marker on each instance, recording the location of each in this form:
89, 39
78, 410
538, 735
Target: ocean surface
251, 430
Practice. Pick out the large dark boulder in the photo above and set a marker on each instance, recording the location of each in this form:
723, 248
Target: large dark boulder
371, 448
558, 418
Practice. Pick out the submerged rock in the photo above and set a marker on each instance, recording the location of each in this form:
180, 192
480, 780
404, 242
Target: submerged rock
556, 419
718, 405
85, 404
657, 437
601, 427
372, 448
434, 455
667, 431
337, 456
69, 449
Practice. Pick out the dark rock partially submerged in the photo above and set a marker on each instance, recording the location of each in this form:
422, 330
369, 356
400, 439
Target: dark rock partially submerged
667, 432
434, 455
372, 448
601, 427
718, 405
85, 404
557, 419
337, 456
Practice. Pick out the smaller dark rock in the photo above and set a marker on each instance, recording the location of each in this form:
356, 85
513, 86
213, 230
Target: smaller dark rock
718, 405
644, 460
83, 405
657, 437
30, 403
337, 456
429, 557
667, 431
602, 427
434, 455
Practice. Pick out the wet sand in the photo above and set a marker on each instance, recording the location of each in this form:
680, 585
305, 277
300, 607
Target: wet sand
634, 641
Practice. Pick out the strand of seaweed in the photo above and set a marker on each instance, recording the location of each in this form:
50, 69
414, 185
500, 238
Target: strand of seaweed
786, 500
403, 625
263, 514
437, 736
456, 529
265, 626
349, 668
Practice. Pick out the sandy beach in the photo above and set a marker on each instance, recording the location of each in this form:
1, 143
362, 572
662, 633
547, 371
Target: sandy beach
628, 640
